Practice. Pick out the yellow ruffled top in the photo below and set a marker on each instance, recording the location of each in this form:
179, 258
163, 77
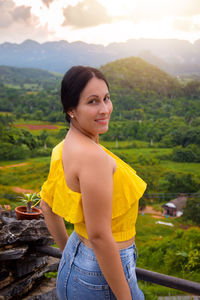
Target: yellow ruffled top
128, 188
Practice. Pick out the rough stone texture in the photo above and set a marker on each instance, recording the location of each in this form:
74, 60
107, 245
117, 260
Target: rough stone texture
27, 265
45, 291
22, 264
14, 253
24, 230
20, 287
6, 278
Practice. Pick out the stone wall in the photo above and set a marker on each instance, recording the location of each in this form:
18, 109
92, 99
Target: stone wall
22, 265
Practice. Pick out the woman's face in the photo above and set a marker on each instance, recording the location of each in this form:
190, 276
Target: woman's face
92, 114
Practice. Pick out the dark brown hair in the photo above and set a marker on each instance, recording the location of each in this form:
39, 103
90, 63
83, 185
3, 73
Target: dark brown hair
73, 83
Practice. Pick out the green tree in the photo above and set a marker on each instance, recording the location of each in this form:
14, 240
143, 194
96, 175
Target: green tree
179, 182
190, 153
192, 210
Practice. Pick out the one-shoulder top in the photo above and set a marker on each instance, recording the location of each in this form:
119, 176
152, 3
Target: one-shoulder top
128, 188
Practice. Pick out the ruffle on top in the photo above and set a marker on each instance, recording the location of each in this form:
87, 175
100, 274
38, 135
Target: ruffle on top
63, 201
127, 189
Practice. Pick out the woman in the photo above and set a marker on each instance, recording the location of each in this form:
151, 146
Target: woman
96, 191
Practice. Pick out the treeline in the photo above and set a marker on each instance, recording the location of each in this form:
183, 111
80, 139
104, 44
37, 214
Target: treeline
149, 105
163, 133
19, 143
139, 91
22, 77
31, 103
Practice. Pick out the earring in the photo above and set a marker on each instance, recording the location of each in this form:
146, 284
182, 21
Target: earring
71, 116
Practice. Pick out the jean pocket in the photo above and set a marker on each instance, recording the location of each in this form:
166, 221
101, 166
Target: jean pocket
97, 287
90, 291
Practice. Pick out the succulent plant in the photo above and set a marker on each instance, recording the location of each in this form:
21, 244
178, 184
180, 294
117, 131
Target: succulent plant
31, 199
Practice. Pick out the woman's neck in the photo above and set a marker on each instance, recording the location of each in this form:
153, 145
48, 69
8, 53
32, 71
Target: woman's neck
78, 131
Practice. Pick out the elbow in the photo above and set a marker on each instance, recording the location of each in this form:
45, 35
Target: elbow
98, 239
44, 206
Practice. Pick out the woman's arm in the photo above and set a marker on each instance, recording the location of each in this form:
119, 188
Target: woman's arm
96, 183
55, 225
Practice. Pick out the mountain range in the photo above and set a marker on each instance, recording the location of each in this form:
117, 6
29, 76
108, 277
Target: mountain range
177, 57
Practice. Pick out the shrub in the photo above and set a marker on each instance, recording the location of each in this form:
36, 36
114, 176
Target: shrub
41, 152
13, 152
192, 210
189, 154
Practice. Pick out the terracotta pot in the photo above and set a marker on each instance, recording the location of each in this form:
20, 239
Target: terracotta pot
22, 214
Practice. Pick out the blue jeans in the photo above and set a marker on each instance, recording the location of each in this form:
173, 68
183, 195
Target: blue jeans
80, 277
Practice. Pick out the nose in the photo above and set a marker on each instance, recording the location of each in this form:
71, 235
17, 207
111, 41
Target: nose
104, 108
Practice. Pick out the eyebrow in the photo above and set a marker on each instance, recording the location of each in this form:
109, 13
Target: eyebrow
97, 95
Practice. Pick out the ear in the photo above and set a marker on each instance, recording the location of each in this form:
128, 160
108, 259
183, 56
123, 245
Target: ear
71, 113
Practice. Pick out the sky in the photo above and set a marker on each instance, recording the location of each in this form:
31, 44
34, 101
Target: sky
98, 21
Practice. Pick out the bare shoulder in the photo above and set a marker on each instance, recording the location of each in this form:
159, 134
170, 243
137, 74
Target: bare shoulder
85, 157
92, 156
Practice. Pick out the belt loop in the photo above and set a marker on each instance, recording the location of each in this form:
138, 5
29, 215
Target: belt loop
77, 246
76, 243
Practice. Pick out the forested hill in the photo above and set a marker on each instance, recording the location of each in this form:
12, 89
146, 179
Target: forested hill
142, 91
139, 91
136, 75
21, 76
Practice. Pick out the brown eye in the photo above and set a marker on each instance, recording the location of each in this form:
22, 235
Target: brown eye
107, 98
92, 101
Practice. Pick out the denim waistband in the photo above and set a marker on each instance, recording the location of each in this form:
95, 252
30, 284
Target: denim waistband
89, 252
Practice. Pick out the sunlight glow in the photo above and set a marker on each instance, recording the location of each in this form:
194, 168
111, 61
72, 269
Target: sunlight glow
120, 7
128, 19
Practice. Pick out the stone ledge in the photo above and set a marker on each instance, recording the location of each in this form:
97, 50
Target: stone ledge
13, 231
45, 291
14, 253
23, 286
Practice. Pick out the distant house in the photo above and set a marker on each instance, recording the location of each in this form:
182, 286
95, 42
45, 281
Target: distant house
174, 208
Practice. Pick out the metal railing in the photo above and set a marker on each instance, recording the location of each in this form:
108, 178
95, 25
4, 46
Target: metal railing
142, 274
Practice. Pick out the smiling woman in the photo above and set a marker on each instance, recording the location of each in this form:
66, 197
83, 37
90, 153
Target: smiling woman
96, 191
92, 114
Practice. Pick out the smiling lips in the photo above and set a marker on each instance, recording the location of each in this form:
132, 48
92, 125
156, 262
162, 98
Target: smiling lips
102, 121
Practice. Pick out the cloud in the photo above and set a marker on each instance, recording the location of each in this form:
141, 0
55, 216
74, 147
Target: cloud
17, 33
10, 13
17, 23
22, 13
47, 2
156, 9
88, 13
6, 8
186, 25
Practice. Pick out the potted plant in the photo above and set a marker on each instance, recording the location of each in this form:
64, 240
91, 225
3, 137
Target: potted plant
29, 211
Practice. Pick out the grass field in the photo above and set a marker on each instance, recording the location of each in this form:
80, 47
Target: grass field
4, 113
36, 127
149, 233
33, 173
182, 167
124, 144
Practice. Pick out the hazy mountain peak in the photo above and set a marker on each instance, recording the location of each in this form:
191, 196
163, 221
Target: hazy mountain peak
174, 56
